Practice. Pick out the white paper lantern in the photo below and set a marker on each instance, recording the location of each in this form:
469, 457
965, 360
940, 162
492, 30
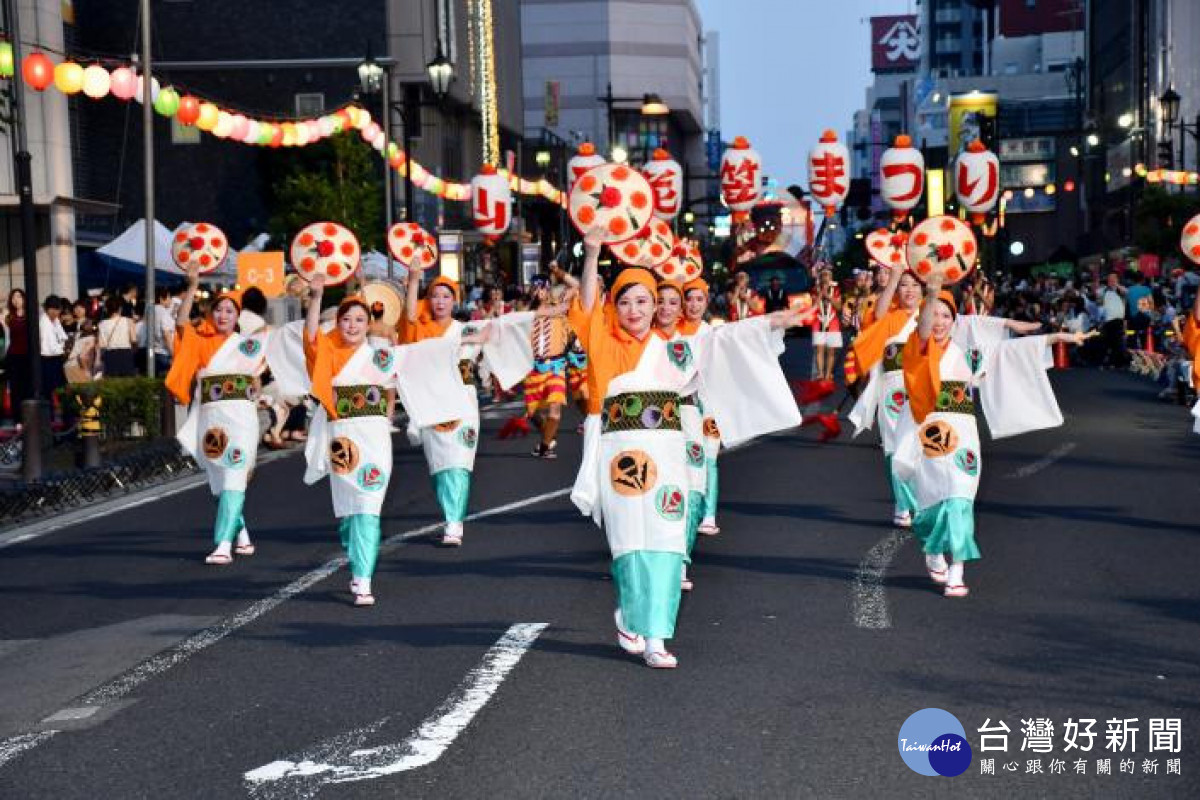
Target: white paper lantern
902, 176
829, 172
666, 179
491, 201
583, 160
977, 180
741, 176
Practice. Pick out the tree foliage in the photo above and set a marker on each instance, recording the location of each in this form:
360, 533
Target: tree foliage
337, 180
1159, 218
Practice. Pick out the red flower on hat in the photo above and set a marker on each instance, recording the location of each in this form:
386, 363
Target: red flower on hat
196, 242
324, 248
945, 251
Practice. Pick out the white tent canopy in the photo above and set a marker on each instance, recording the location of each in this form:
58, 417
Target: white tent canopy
375, 266
130, 246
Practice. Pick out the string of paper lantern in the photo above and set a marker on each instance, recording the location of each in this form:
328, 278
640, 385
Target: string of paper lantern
123, 82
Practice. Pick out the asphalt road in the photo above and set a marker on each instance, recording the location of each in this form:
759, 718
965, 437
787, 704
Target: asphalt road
811, 636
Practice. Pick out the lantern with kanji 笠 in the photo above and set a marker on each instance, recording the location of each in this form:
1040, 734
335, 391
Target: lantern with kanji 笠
829, 172
741, 177
902, 176
583, 160
666, 179
491, 201
977, 180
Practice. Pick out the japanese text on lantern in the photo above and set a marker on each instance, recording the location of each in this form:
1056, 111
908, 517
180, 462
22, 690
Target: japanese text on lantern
827, 169
666, 198
739, 181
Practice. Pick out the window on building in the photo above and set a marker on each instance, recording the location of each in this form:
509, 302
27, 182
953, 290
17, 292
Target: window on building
310, 104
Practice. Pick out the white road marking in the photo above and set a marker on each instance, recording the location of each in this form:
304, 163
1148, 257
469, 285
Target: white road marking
304, 777
72, 714
157, 664
870, 602
1042, 463
12, 747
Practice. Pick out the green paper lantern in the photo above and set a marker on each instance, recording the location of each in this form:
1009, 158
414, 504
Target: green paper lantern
167, 102
6, 60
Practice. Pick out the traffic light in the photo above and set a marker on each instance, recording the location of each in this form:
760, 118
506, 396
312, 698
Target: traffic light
1166, 154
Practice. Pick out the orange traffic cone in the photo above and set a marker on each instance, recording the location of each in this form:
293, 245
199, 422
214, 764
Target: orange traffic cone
1061, 360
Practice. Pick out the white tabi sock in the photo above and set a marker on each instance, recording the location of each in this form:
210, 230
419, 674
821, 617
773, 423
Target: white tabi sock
955, 577
655, 645
935, 563
243, 538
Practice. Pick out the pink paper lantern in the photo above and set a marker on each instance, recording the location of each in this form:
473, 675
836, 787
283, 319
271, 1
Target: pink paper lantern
123, 83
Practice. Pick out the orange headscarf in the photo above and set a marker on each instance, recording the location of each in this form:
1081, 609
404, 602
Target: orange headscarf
194, 348
425, 326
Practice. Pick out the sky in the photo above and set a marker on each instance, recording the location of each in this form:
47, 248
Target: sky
790, 69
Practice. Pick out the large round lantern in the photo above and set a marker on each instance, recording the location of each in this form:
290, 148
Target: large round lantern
7, 66
741, 177
829, 172
666, 179
583, 160
902, 176
977, 180
189, 110
166, 103
38, 71
491, 201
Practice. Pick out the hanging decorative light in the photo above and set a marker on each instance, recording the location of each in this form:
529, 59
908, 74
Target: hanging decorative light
124, 83
38, 71
68, 78
96, 82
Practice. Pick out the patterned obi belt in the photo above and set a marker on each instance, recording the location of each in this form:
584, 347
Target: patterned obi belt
641, 411
465, 369
227, 387
577, 359
954, 397
362, 400
552, 364
893, 358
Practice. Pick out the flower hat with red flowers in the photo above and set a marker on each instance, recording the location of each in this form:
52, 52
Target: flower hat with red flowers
615, 198
325, 248
942, 245
199, 243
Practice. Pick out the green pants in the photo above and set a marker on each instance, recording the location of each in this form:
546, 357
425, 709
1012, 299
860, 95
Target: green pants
695, 514
360, 537
648, 591
948, 527
710, 493
453, 489
229, 516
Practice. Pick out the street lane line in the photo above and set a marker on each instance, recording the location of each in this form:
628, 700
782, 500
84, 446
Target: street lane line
870, 602
13, 746
1039, 465
157, 664
304, 777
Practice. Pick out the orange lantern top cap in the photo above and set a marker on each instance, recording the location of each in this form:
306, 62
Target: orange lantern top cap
904, 140
829, 135
661, 154
487, 169
587, 149
741, 143
976, 146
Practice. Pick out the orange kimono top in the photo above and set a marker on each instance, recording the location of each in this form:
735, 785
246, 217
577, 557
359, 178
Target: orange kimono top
871, 342
194, 348
326, 356
922, 374
1191, 340
610, 350
425, 327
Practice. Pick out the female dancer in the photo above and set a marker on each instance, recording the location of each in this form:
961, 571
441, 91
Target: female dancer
350, 438
877, 353
827, 326
941, 455
634, 470
695, 307
450, 446
215, 373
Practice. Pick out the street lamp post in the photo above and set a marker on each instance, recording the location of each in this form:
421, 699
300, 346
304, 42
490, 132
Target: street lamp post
652, 105
375, 78
1169, 105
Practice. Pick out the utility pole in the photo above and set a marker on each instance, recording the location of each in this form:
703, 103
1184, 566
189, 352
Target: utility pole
151, 326
32, 408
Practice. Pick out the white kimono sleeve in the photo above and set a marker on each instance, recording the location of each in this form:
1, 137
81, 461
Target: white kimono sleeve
863, 413
428, 381
285, 357
508, 352
1016, 393
741, 383
980, 334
